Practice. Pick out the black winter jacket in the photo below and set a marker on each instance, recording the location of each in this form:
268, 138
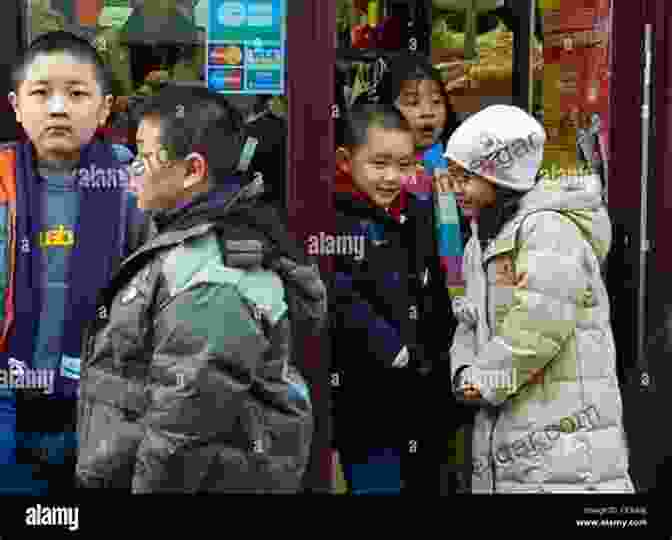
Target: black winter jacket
187, 382
394, 296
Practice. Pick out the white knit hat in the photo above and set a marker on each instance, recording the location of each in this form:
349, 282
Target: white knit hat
502, 143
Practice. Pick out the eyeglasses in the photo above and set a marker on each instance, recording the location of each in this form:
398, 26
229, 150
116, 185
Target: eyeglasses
143, 162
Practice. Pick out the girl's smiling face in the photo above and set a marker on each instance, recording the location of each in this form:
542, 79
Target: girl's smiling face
423, 105
472, 192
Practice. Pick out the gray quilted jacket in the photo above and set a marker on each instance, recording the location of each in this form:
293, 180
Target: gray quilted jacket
187, 382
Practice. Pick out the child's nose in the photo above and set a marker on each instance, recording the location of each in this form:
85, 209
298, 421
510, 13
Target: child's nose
56, 104
392, 174
426, 110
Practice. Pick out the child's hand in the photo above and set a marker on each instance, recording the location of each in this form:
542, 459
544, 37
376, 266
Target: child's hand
471, 392
467, 391
442, 183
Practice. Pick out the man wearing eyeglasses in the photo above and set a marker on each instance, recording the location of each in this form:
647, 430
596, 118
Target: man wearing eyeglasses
188, 383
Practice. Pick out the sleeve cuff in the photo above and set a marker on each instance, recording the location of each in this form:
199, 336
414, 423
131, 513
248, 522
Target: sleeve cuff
496, 386
496, 354
463, 374
459, 376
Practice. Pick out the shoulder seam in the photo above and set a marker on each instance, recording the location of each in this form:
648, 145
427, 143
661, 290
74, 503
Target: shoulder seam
560, 216
557, 213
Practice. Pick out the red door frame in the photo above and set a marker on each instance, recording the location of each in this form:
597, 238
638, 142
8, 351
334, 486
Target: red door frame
625, 160
629, 19
661, 18
659, 14
311, 56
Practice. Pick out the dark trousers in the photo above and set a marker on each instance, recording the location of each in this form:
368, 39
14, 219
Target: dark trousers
409, 444
46, 443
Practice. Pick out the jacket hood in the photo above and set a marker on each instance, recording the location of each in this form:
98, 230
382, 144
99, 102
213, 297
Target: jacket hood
580, 199
254, 234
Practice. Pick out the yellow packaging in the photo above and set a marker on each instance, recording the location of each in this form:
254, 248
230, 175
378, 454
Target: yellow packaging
549, 4
373, 14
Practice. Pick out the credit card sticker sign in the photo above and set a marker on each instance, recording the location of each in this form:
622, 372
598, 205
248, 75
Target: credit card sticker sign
246, 46
226, 80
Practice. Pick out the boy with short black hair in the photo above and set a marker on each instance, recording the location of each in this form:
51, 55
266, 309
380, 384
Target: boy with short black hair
68, 221
201, 393
388, 308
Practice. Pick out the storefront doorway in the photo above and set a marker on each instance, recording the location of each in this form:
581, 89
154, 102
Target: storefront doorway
164, 43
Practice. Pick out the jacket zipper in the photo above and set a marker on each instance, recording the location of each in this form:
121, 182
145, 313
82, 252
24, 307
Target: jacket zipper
493, 463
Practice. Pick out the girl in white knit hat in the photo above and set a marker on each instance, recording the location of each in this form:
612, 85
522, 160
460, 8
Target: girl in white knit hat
534, 348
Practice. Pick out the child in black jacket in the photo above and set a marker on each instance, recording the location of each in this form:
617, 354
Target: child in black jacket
390, 312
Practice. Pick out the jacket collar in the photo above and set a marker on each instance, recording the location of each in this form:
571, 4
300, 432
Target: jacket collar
208, 206
348, 193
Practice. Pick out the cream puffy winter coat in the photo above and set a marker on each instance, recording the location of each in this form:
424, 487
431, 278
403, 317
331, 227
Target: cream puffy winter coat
534, 334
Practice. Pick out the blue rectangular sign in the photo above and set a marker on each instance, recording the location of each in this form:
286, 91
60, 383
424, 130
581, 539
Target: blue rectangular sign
246, 46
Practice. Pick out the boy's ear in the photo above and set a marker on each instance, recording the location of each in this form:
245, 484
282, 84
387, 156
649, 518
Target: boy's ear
196, 170
13, 100
108, 102
343, 160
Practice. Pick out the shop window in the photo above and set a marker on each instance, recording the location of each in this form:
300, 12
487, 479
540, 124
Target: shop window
145, 43
474, 49
43, 18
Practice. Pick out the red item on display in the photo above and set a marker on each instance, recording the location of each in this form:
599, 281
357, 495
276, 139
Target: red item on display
575, 15
590, 69
363, 37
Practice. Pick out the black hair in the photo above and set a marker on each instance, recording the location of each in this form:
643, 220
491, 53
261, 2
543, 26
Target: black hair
62, 42
492, 219
198, 120
415, 67
360, 118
